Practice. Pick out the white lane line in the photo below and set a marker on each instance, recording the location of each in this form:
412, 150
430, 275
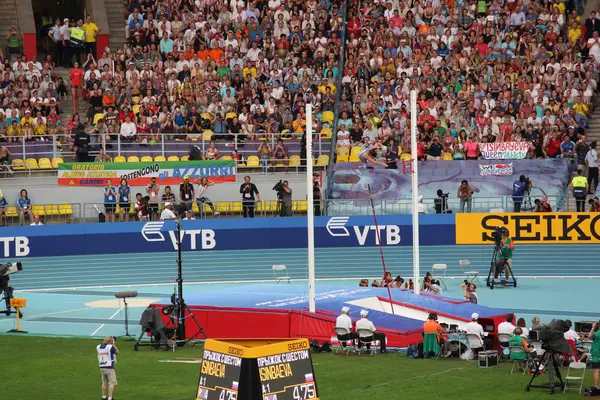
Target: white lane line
111, 317
54, 313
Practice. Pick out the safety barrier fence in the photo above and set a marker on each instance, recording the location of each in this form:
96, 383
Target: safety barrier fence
89, 212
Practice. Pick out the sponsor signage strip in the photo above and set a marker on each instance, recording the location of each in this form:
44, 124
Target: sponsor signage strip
139, 174
496, 169
226, 234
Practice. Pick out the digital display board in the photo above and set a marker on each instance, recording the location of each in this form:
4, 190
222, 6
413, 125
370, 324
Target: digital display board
287, 374
253, 369
219, 373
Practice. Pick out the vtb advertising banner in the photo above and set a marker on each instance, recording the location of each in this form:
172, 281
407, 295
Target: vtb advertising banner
226, 234
530, 228
140, 174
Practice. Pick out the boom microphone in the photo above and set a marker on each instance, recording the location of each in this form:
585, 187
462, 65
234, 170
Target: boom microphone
126, 295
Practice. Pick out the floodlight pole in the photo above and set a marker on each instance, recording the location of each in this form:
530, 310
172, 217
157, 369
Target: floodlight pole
180, 301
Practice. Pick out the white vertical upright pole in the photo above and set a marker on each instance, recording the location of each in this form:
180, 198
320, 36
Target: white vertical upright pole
310, 212
415, 189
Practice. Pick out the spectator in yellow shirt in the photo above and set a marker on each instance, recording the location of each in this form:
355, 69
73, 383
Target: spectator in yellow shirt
27, 119
91, 30
40, 129
574, 33
13, 131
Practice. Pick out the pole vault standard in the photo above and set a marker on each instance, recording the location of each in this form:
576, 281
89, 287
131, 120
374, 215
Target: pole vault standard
310, 212
415, 189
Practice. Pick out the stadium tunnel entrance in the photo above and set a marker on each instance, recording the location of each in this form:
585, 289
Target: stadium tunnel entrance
45, 13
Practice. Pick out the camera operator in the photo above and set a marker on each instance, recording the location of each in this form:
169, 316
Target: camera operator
579, 187
505, 254
248, 190
284, 198
107, 358
542, 205
594, 336
520, 187
441, 202
317, 198
470, 292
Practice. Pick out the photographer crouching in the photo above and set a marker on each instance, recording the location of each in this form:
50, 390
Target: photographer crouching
107, 358
284, 198
520, 188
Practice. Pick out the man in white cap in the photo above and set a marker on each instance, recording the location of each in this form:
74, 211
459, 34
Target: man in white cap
421, 208
168, 213
475, 328
364, 323
344, 321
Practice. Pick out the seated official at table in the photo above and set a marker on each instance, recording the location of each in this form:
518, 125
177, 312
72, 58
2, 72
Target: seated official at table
364, 323
344, 321
475, 328
432, 326
507, 327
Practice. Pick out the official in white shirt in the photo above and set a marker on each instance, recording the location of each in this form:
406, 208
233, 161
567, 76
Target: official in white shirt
344, 321
168, 213
571, 334
36, 221
507, 327
189, 215
475, 328
421, 208
364, 323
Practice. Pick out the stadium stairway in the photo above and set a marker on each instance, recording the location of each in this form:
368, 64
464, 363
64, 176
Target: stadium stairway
116, 23
8, 17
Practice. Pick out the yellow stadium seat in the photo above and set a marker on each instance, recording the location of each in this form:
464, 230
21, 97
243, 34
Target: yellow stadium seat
446, 156
253, 161
52, 209
342, 158
326, 133
97, 117
56, 161
136, 108
206, 209
173, 159
236, 207
294, 161
65, 209
273, 206
354, 152
120, 159
300, 205
405, 157
195, 208
160, 159
207, 134
31, 163
323, 160
133, 159
261, 206
185, 158
45, 163
226, 158
146, 159
223, 206
11, 211
342, 150
328, 116
38, 210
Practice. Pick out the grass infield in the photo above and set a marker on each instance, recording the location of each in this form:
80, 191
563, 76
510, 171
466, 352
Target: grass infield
66, 369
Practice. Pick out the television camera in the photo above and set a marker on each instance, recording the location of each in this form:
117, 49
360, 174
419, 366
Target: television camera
279, 189
497, 266
554, 344
7, 291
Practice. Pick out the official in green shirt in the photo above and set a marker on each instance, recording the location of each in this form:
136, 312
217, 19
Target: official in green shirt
594, 336
579, 187
505, 255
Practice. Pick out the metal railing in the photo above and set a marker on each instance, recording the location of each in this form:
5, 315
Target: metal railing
167, 145
89, 212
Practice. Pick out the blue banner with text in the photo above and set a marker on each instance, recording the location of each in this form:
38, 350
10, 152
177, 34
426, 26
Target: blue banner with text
225, 234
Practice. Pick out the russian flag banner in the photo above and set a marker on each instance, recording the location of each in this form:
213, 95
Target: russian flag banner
309, 377
234, 385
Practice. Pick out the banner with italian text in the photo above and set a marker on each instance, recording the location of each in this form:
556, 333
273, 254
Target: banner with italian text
140, 173
504, 150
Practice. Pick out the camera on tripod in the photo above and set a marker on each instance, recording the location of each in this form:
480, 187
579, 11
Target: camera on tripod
5, 271
498, 233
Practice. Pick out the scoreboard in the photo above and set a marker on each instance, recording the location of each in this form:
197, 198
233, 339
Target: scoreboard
275, 369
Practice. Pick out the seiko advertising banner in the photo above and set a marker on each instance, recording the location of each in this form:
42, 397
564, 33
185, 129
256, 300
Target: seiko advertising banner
530, 228
226, 234
140, 174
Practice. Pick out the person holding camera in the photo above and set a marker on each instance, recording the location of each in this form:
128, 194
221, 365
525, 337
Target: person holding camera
594, 204
152, 190
594, 336
519, 188
317, 196
504, 255
579, 187
470, 292
441, 202
284, 197
542, 205
248, 191
465, 194
107, 358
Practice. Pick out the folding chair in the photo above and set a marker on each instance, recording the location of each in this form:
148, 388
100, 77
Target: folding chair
365, 337
341, 333
431, 345
438, 271
280, 273
517, 352
577, 366
475, 343
504, 338
470, 275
